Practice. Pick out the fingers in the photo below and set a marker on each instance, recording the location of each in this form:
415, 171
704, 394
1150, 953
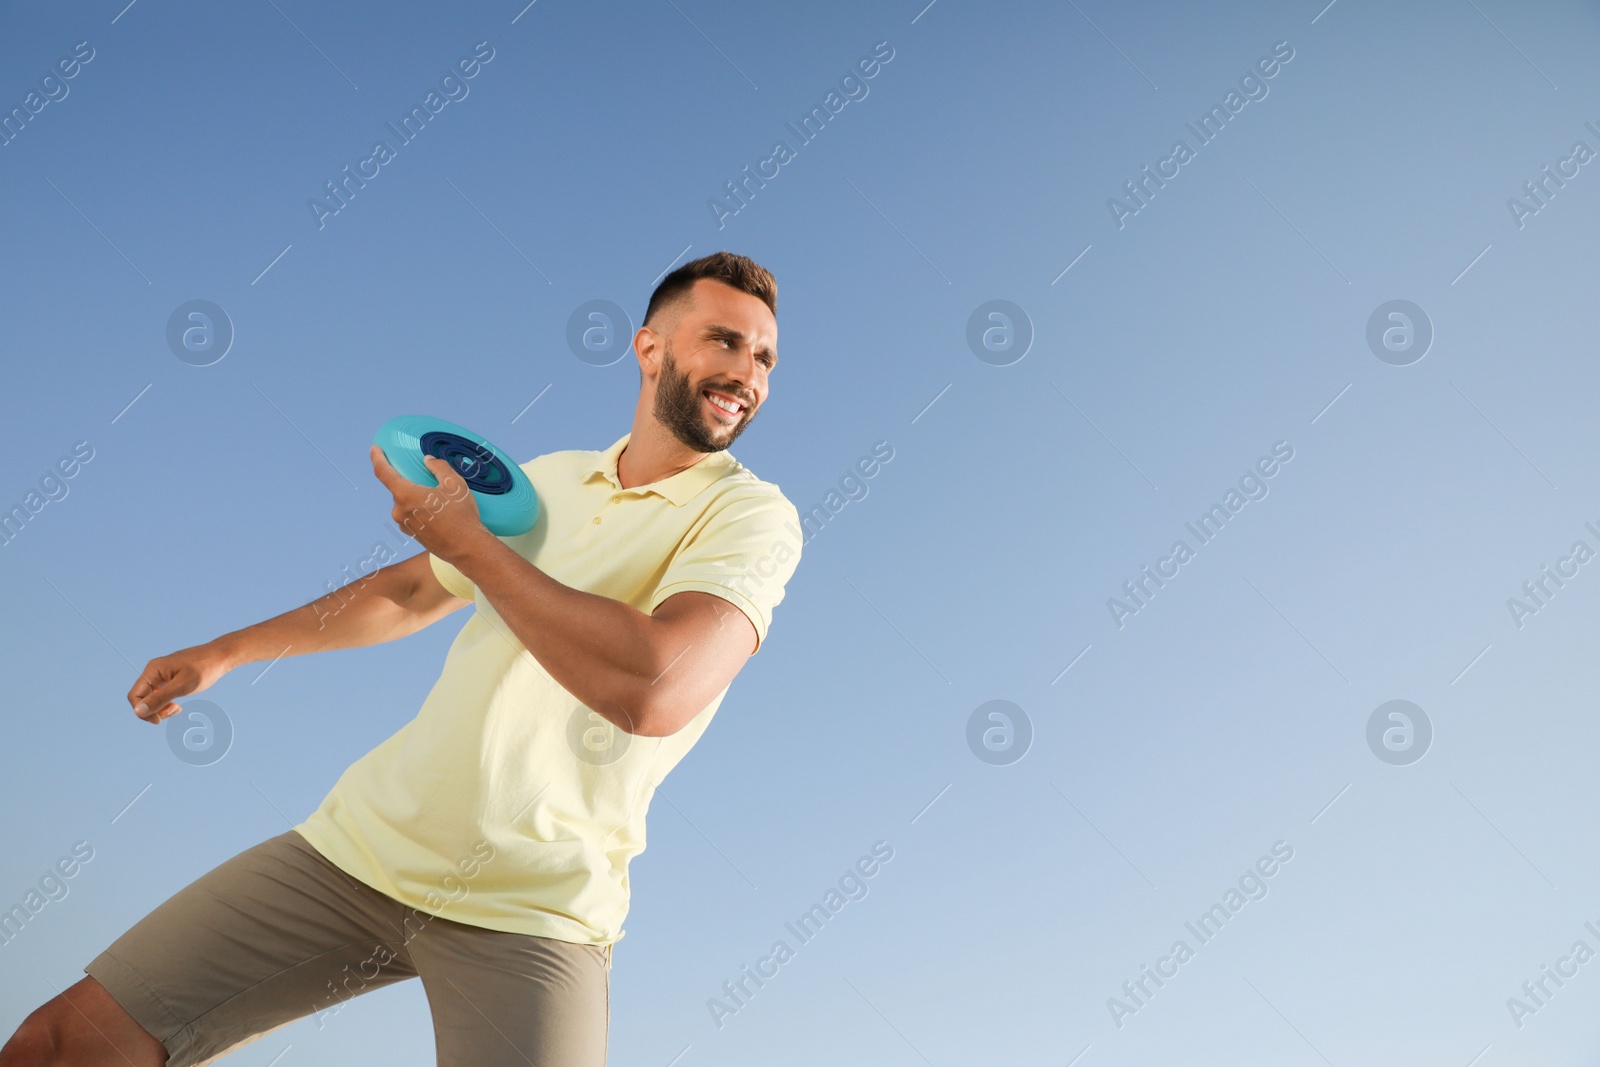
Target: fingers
412, 517
156, 705
449, 479
152, 695
161, 713
442, 472
382, 467
159, 705
140, 689
398, 484
152, 676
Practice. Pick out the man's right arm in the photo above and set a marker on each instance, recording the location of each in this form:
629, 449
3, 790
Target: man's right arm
391, 603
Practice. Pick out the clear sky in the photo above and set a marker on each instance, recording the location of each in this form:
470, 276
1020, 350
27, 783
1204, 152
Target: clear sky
1398, 471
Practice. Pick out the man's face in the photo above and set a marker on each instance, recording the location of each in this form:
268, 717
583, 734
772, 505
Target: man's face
724, 343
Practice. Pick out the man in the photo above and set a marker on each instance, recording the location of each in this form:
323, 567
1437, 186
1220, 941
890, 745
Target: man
484, 847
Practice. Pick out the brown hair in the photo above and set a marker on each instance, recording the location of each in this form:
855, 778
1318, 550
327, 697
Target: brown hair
745, 275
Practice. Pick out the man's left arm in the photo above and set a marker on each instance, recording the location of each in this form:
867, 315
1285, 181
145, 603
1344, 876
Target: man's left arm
647, 674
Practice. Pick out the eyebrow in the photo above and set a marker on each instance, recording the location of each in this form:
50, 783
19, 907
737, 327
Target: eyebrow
718, 330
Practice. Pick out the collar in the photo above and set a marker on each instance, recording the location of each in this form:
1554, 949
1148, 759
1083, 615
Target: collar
680, 488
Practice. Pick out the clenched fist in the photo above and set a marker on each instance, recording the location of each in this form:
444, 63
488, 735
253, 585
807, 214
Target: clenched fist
166, 678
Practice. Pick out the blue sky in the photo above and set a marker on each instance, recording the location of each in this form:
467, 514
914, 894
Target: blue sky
1172, 349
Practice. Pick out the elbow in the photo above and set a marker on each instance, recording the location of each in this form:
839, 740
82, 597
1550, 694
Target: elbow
640, 717
658, 722
661, 716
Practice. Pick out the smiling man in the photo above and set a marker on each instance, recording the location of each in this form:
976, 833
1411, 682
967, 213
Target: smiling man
484, 847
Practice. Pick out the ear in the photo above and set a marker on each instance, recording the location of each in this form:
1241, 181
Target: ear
647, 346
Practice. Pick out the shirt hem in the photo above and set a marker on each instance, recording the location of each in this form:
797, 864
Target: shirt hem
534, 927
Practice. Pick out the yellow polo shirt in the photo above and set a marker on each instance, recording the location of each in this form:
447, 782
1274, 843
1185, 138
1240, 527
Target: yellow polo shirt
506, 803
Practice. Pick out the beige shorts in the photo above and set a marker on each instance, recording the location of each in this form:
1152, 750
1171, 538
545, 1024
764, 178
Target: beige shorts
279, 932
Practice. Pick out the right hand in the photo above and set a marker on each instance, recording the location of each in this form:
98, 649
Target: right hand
180, 674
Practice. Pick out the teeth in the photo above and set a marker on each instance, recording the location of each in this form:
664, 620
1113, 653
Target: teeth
725, 405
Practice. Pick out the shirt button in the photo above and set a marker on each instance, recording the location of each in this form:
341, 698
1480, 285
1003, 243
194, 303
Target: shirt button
597, 518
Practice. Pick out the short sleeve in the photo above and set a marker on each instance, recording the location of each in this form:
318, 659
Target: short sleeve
452, 579
745, 552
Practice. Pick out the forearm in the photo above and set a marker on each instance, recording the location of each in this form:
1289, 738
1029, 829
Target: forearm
600, 650
368, 611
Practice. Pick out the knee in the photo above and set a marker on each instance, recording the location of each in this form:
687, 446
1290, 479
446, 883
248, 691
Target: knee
82, 1025
36, 1042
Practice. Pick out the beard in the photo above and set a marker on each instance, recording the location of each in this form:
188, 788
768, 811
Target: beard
681, 409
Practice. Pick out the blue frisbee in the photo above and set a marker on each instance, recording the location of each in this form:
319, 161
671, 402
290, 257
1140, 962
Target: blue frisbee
507, 503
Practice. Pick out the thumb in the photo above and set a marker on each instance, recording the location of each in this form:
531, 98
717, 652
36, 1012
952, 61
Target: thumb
381, 467
446, 475
158, 704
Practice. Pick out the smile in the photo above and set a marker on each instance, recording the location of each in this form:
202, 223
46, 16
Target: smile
725, 409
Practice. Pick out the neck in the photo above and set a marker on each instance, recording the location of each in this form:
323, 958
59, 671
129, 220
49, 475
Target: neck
653, 454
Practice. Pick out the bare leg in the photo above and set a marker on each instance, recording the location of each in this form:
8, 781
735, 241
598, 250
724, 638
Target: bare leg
83, 1027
